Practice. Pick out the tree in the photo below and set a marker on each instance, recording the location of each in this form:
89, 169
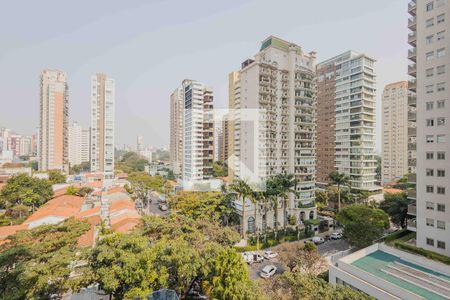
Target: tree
288, 254
56, 177
363, 224
243, 191
36, 264
72, 190
81, 168
296, 286
26, 190
220, 169
131, 162
322, 199
286, 184
198, 205
396, 206
339, 179
301, 258
123, 265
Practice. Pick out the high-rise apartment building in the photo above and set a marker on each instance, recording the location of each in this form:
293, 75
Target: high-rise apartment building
233, 90
394, 128
430, 63
350, 78
176, 130
139, 143
54, 118
224, 139
79, 144
198, 132
278, 88
102, 124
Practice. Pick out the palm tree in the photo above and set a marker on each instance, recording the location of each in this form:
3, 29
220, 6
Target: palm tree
256, 198
339, 179
287, 184
271, 193
243, 191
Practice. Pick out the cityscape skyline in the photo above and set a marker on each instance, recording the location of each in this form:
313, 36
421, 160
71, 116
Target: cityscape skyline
142, 88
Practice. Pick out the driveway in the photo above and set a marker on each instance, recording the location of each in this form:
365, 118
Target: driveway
255, 268
153, 208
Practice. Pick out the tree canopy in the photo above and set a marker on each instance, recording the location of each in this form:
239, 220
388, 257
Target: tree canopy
396, 206
199, 205
131, 162
56, 177
220, 169
363, 224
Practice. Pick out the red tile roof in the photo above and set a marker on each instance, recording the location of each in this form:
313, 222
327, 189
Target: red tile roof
393, 191
65, 206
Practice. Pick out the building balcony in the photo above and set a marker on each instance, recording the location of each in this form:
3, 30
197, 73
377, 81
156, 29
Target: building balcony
411, 225
412, 85
412, 100
412, 22
412, 70
412, 131
412, 209
412, 178
412, 115
412, 54
412, 38
412, 7
412, 162
412, 194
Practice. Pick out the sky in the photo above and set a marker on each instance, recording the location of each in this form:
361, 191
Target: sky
149, 47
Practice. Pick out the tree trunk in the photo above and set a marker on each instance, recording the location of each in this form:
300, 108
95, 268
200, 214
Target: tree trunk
284, 214
243, 217
339, 198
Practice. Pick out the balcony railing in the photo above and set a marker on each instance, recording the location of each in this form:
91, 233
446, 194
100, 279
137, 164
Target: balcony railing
412, 209
412, 69
412, 194
412, 178
412, 7
411, 224
412, 85
412, 22
412, 39
412, 54
412, 100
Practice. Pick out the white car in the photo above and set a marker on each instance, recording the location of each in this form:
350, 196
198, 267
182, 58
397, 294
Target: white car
270, 254
268, 271
318, 240
336, 236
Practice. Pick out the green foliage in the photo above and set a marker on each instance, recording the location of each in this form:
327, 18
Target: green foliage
142, 182
161, 155
34, 165
199, 205
396, 235
322, 199
26, 190
35, 264
220, 169
423, 252
131, 162
396, 206
363, 224
81, 168
56, 177
72, 190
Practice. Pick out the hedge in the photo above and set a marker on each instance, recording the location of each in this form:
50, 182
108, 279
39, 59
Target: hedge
423, 252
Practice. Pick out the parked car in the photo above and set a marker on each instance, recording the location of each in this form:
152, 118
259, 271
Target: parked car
318, 240
268, 271
163, 207
270, 254
336, 236
250, 257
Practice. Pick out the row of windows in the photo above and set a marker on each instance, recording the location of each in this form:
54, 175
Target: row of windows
440, 155
439, 19
439, 224
439, 122
439, 53
439, 71
431, 5
440, 87
439, 172
439, 189
440, 138
440, 244
439, 103
439, 207
439, 37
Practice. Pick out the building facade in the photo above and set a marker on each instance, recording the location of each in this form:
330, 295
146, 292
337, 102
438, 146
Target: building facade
233, 91
430, 63
224, 143
198, 132
79, 144
394, 128
176, 130
54, 118
353, 77
278, 88
102, 124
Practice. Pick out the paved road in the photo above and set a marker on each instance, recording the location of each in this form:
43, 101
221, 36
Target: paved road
153, 208
328, 248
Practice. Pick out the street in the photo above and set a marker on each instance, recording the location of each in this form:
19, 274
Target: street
153, 208
326, 249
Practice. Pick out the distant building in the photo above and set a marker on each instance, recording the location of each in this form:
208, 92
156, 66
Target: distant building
394, 128
224, 139
54, 118
139, 143
176, 130
102, 124
79, 144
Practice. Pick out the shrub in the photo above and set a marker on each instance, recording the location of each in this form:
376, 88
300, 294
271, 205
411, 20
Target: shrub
423, 252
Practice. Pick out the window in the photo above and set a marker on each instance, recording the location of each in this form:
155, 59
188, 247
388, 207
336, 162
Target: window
440, 173
440, 121
430, 155
441, 244
429, 88
441, 190
440, 52
430, 122
430, 222
440, 69
430, 189
440, 224
440, 87
440, 19
440, 103
441, 207
429, 72
441, 155
430, 242
251, 225
430, 172
440, 138
430, 205
440, 35
429, 22
429, 39
429, 55
429, 105
430, 139
429, 6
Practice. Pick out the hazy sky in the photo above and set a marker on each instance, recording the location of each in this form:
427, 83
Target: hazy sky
149, 47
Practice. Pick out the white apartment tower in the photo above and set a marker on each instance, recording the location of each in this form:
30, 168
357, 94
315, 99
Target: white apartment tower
272, 102
79, 144
198, 132
430, 65
54, 118
102, 124
353, 83
176, 130
394, 146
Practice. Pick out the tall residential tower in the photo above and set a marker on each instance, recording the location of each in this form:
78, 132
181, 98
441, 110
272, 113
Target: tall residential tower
176, 130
